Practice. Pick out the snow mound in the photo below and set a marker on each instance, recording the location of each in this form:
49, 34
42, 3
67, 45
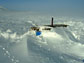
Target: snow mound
3, 8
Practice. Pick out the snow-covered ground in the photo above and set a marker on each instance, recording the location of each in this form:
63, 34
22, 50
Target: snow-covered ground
19, 45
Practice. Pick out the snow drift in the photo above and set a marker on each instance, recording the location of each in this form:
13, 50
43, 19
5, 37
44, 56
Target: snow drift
60, 45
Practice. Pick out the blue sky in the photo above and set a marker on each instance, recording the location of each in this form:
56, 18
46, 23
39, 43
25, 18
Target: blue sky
59, 6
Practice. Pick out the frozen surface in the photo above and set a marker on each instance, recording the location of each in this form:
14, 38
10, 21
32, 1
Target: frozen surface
60, 45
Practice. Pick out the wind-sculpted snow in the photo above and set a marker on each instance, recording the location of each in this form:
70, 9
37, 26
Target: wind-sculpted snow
18, 44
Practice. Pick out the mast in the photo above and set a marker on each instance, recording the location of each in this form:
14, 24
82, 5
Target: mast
52, 22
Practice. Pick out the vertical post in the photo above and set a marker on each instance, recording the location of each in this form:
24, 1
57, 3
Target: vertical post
52, 22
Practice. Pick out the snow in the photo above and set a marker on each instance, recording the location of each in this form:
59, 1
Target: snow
18, 44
